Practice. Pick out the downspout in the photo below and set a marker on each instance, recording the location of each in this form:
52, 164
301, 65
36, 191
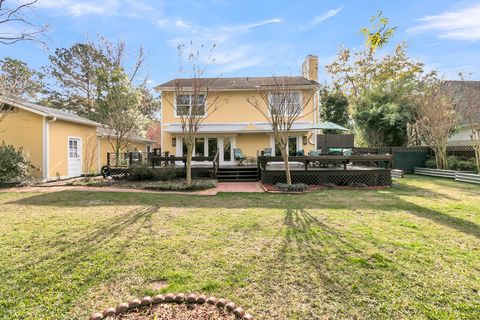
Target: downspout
47, 146
317, 118
161, 124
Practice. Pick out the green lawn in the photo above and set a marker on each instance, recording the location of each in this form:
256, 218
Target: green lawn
409, 252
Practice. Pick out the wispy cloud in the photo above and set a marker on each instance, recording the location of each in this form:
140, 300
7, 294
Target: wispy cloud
236, 58
79, 8
234, 48
463, 24
256, 24
321, 18
215, 31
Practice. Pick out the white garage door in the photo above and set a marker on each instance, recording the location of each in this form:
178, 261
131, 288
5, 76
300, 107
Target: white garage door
74, 157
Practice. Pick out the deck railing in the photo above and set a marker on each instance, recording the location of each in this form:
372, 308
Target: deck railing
379, 160
127, 159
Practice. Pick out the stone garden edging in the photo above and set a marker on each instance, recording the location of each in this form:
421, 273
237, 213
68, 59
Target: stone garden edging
172, 298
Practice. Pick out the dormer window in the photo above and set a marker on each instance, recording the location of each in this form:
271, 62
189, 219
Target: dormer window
188, 104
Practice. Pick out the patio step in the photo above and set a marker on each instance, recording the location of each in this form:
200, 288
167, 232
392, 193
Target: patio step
237, 174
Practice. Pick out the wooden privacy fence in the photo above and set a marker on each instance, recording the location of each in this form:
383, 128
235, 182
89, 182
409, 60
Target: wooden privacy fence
407, 158
403, 158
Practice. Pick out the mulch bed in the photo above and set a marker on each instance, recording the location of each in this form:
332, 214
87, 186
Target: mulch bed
177, 312
271, 188
174, 306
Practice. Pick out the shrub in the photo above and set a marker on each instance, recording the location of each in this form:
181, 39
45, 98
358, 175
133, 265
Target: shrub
296, 187
181, 186
431, 163
165, 173
452, 163
467, 165
139, 172
15, 165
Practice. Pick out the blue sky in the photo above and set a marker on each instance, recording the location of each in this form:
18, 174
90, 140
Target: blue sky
258, 38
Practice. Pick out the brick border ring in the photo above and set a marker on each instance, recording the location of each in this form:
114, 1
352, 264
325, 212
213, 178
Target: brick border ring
172, 298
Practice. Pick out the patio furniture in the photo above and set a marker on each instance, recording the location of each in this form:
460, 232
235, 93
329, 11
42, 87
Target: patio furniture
301, 153
315, 153
238, 156
335, 151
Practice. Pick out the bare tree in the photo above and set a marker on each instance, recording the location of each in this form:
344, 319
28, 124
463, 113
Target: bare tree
95, 80
17, 80
469, 106
125, 110
13, 17
90, 157
281, 104
4, 107
436, 116
194, 100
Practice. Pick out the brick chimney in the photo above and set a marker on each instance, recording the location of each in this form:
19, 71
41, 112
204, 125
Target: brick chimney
310, 68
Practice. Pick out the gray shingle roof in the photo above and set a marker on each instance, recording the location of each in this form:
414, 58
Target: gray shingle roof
49, 112
238, 83
133, 137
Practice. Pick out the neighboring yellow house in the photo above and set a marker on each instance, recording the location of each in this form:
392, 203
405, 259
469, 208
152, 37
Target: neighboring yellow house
59, 144
237, 124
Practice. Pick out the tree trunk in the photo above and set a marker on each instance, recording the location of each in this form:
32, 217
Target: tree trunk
441, 157
475, 138
287, 167
117, 153
188, 169
477, 158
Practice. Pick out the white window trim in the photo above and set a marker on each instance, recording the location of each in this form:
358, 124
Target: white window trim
301, 100
176, 116
233, 142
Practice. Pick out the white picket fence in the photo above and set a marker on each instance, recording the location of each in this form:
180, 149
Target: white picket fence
463, 176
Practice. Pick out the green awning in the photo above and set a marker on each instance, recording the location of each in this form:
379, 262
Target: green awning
329, 125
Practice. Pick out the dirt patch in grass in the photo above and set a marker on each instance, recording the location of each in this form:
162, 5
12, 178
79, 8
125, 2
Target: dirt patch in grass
177, 312
157, 285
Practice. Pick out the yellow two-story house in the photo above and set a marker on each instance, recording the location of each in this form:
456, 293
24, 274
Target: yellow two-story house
236, 123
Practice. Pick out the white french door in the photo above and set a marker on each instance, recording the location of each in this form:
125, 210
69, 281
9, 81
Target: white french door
226, 146
207, 146
74, 157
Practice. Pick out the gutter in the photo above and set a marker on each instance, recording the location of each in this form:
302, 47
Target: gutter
47, 147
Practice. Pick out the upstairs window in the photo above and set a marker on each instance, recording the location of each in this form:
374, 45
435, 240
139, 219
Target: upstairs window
287, 103
188, 104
